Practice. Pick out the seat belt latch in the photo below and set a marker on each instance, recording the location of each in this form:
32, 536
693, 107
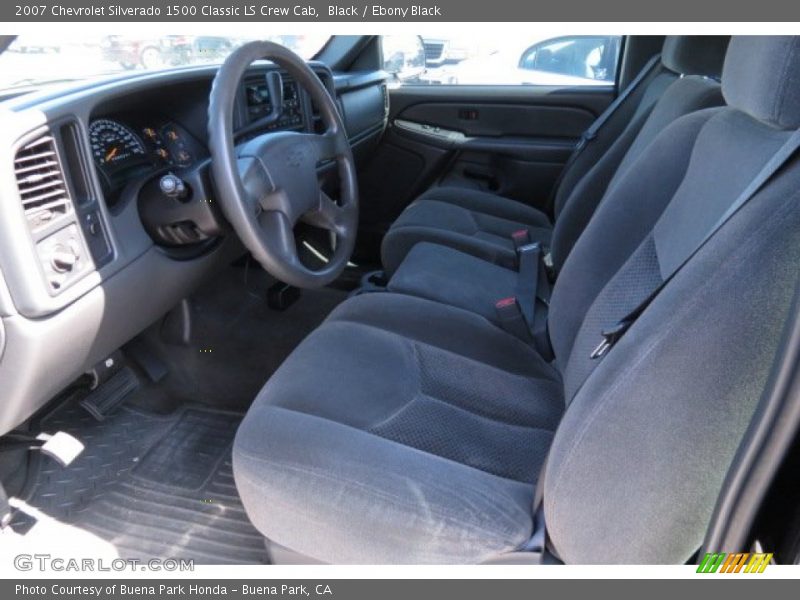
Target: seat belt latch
510, 317
521, 237
529, 257
547, 261
610, 337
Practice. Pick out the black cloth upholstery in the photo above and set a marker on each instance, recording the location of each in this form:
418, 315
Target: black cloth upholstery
695, 54
405, 430
475, 222
466, 219
772, 94
438, 399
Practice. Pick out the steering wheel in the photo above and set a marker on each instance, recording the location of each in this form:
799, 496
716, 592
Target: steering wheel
270, 183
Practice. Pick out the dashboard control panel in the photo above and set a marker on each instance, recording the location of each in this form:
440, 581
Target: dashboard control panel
62, 257
259, 103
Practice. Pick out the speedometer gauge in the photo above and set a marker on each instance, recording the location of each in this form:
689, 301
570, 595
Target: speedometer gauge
113, 143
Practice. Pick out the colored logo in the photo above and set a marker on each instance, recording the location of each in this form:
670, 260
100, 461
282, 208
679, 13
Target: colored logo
743, 562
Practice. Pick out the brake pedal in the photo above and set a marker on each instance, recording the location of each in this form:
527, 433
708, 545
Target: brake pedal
111, 393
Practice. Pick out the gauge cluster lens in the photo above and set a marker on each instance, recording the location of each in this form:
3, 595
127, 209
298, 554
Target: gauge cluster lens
156, 146
117, 145
113, 143
178, 147
135, 149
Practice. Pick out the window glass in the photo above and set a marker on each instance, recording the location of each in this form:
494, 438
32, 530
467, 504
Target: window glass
566, 60
404, 57
38, 59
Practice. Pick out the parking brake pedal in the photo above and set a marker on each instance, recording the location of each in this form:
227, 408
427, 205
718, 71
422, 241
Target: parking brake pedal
61, 447
110, 393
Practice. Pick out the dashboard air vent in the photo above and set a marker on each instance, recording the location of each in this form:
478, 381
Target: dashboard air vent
40, 179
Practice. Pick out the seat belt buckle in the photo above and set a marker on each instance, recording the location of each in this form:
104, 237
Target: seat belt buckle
528, 258
521, 237
511, 319
610, 337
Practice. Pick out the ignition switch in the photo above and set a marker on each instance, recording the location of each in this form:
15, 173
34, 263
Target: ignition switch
172, 186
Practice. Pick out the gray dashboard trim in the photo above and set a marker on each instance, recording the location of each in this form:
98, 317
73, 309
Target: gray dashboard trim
43, 356
48, 339
18, 258
350, 81
20, 118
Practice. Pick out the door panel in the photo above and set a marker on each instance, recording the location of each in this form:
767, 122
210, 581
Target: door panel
489, 119
510, 140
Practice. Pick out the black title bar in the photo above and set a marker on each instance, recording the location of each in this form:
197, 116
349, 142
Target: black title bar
397, 11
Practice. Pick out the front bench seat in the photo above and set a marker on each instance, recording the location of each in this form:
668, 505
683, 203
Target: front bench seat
406, 431
481, 223
412, 437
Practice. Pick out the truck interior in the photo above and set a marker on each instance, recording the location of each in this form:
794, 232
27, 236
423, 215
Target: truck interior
358, 307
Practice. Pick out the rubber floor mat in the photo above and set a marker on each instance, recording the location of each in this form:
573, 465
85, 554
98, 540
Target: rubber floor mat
191, 451
153, 486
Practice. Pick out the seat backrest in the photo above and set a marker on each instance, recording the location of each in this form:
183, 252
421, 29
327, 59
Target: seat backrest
685, 83
650, 430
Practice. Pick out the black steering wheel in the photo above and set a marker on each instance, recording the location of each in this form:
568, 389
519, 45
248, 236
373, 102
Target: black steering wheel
268, 184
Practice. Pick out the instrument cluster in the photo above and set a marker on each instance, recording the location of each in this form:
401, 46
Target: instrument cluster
124, 151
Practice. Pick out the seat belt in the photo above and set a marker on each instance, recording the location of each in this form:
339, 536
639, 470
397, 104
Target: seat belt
591, 133
613, 334
533, 292
525, 314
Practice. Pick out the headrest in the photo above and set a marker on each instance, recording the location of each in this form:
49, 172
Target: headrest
762, 78
695, 54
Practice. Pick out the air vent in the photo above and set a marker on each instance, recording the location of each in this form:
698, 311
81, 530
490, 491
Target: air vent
40, 179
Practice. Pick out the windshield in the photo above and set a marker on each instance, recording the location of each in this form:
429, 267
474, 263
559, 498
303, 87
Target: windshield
33, 60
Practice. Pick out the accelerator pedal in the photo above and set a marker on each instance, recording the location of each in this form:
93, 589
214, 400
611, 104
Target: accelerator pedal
109, 394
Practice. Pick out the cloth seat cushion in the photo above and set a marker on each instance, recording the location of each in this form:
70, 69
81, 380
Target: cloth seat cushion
385, 419
659, 100
446, 275
478, 223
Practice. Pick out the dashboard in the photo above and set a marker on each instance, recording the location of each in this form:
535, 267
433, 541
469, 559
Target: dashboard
136, 142
128, 147
81, 272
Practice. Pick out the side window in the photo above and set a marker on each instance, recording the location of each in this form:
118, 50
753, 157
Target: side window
403, 57
585, 57
494, 60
